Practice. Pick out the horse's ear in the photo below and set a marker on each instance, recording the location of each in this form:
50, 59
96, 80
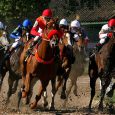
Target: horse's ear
56, 19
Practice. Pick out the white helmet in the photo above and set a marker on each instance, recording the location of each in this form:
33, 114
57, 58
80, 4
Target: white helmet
105, 27
63, 22
1, 25
75, 23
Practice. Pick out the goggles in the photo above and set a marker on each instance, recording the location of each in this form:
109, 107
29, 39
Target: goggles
63, 26
47, 18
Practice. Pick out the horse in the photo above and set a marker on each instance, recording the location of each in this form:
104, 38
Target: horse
78, 66
4, 44
11, 65
66, 63
101, 65
43, 65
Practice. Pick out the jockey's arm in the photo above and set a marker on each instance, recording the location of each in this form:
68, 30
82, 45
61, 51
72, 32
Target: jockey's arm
35, 28
14, 36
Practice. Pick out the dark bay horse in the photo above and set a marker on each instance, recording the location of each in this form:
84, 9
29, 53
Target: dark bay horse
72, 65
66, 62
102, 65
11, 65
42, 65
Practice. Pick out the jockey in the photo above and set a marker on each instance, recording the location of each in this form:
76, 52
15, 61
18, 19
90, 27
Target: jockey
17, 33
38, 28
40, 25
74, 27
103, 36
63, 25
106, 33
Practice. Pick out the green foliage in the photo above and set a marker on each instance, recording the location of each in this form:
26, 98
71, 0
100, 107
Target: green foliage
20, 9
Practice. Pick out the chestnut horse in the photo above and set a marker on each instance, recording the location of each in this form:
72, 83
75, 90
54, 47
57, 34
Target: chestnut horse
41, 65
102, 65
12, 65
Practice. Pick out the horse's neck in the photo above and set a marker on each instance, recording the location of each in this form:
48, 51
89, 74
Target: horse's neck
110, 43
79, 54
44, 50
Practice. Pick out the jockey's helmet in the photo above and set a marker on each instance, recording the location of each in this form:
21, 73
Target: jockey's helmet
27, 23
105, 27
1, 25
111, 23
47, 13
75, 23
63, 22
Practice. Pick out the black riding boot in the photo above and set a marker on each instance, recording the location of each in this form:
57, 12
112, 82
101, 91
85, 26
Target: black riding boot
29, 51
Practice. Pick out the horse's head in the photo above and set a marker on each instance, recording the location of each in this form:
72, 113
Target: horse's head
80, 41
50, 33
25, 36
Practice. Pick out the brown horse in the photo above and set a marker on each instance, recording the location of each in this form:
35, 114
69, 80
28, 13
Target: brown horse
12, 65
65, 64
102, 65
41, 65
69, 51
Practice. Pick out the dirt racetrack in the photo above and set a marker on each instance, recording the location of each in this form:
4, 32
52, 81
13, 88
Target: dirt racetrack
76, 105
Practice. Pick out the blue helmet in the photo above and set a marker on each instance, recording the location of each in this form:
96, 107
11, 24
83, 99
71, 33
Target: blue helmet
27, 23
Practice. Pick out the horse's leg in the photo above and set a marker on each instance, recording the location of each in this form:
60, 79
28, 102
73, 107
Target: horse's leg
45, 102
93, 78
59, 82
27, 86
10, 84
1, 81
63, 93
53, 92
15, 85
42, 87
70, 85
104, 83
75, 88
33, 82
2, 74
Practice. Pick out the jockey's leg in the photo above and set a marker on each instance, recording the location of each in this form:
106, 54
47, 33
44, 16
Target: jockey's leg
101, 43
36, 40
12, 48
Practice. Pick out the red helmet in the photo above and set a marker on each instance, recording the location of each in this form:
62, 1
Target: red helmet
47, 13
111, 22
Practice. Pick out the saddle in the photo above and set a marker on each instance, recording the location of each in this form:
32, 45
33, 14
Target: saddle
30, 50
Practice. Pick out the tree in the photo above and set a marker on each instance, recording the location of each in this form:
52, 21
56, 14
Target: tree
20, 9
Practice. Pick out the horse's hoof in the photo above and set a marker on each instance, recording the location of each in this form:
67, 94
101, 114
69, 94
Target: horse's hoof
63, 96
75, 92
46, 104
52, 108
89, 110
24, 94
33, 105
100, 108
